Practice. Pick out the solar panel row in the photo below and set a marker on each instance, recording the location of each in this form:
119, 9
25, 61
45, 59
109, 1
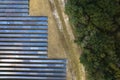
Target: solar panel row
24, 45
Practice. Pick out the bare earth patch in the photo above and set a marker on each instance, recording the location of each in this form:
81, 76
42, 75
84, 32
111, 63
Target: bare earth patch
42, 8
61, 39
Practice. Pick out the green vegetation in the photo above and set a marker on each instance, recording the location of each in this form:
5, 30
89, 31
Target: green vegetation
97, 30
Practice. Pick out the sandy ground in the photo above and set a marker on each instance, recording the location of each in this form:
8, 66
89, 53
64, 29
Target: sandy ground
61, 39
42, 8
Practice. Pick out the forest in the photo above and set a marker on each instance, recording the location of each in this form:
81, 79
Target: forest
96, 25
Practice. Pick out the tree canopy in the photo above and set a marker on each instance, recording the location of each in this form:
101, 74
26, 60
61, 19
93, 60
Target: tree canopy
97, 30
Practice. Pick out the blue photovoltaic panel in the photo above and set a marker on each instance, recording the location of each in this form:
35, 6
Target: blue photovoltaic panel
24, 45
13, 6
14, 14
22, 27
13, 2
22, 52
24, 22
24, 18
24, 31
13, 10
23, 40
23, 35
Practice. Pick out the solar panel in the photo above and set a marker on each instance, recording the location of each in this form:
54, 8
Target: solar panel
24, 45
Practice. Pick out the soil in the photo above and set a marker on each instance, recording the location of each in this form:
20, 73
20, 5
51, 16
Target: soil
61, 38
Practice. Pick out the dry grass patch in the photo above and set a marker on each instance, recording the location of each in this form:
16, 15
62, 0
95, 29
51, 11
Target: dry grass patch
60, 44
43, 8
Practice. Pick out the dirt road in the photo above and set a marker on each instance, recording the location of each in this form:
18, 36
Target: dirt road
61, 38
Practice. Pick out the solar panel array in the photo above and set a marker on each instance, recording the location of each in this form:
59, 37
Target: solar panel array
24, 45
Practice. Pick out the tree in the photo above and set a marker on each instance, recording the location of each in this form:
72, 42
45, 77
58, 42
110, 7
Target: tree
97, 27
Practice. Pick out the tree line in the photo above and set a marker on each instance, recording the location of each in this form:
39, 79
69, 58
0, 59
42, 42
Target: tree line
96, 24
